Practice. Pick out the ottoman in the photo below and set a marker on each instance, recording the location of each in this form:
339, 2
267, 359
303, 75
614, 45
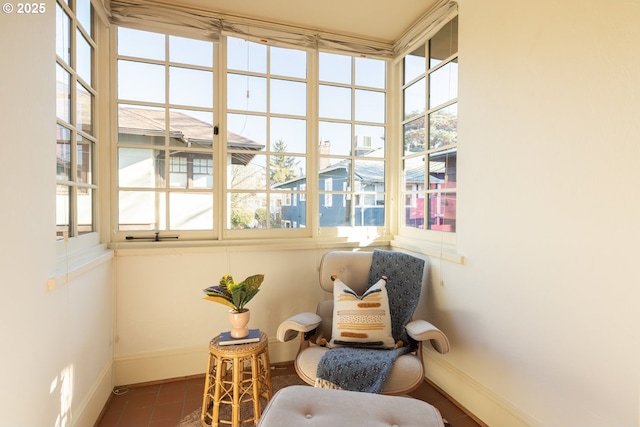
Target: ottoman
304, 406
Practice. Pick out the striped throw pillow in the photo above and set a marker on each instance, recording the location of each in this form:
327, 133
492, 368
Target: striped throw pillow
361, 320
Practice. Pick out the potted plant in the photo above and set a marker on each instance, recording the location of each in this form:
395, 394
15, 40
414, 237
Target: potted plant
236, 296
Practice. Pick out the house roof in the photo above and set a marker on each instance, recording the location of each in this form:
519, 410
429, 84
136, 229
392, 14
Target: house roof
183, 128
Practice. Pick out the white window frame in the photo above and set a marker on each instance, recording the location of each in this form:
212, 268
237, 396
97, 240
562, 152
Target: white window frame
433, 242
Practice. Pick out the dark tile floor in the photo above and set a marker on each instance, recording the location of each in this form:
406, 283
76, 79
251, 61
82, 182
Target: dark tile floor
165, 404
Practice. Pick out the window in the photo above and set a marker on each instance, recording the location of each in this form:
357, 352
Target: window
430, 122
165, 145
214, 138
76, 138
267, 120
351, 140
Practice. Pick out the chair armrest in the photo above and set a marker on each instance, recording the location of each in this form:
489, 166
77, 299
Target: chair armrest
302, 322
421, 330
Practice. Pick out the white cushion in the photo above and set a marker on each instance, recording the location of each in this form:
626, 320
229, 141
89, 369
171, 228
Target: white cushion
302, 406
361, 321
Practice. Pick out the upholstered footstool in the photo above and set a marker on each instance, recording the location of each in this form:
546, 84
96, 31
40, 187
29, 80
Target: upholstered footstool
303, 406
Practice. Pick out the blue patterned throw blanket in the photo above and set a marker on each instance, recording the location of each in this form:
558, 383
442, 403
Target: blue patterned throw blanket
363, 369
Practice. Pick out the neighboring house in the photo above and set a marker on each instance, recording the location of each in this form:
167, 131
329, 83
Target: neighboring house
335, 207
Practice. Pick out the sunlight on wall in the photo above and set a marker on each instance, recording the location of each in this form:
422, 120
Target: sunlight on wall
63, 383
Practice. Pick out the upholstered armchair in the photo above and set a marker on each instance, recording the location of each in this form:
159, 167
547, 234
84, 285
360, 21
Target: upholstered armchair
355, 273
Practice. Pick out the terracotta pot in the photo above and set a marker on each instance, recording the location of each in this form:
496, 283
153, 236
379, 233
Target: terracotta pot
239, 323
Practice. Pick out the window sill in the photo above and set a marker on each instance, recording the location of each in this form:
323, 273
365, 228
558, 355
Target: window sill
247, 245
72, 265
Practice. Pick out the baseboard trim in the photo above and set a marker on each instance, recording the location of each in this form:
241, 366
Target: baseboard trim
154, 366
160, 365
488, 407
91, 407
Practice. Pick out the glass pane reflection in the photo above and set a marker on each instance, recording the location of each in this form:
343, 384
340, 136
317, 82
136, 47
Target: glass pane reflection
84, 172
63, 154
414, 136
443, 127
443, 84
85, 210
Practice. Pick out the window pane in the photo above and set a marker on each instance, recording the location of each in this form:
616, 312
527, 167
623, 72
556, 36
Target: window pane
191, 211
190, 128
62, 210
443, 169
369, 175
288, 62
63, 35
142, 210
141, 44
283, 169
246, 56
190, 87
141, 82
336, 175
252, 176
335, 210
292, 133
247, 210
415, 64
202, 171
443, 84
371, 72
335, 68
83, 13
84, 150
190, 51
415, 99
414, 136
84, 109
443, 127
246, 132
369, 141
335, 102
140, 168
63, 154
414, 211
368, 210
413, 174
335, 138
442, 211
288, 97
85, 210
178, 170
246, 93
63, 94
84, 54
290, 210
370, 106
141, 125
444, 43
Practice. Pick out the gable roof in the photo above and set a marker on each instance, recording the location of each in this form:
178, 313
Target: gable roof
183, 128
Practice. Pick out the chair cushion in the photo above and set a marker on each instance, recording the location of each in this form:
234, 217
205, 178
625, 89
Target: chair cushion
407, 373
361, 321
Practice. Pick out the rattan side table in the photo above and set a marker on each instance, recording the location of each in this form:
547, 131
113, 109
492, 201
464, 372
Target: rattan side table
237, 384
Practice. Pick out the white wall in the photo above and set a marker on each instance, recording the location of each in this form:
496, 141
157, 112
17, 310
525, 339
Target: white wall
543, 315
163, 324
56, 350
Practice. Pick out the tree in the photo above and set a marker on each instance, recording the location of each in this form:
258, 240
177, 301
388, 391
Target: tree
282, 168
